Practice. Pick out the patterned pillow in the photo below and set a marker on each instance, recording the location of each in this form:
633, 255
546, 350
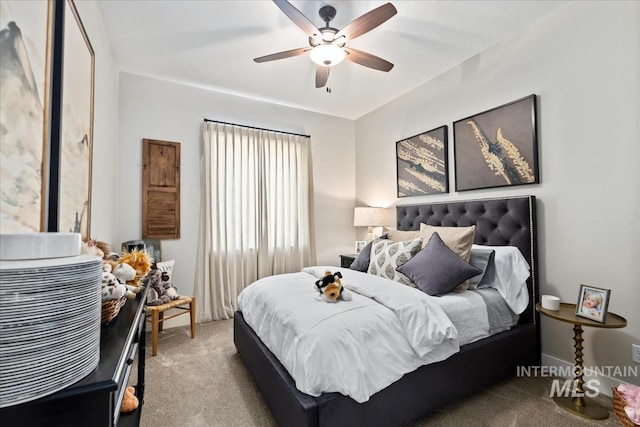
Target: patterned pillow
361, 263
166, 266
386, 256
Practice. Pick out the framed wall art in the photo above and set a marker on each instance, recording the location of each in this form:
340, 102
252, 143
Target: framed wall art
26, 39
422, 164
498, 147
76, 126
593, 303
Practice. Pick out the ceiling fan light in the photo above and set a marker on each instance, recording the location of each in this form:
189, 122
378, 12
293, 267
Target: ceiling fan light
327, 55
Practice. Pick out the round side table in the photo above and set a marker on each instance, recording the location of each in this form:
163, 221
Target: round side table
580, 405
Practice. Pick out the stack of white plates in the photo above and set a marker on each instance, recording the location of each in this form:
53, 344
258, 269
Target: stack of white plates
49, 325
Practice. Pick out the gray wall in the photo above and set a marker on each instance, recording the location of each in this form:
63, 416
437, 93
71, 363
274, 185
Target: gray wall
583, 63
156, 109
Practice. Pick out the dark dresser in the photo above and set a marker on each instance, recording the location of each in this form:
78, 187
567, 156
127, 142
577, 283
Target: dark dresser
95, 400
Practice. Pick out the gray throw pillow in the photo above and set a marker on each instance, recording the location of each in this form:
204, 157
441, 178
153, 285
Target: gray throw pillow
436, 269
361, 263
481, 258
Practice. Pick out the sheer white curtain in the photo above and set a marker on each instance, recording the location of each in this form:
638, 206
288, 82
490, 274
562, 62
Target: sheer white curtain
255, 212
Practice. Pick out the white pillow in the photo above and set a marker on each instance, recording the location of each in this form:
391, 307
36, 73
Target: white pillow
166, 266
387, 255
509, 277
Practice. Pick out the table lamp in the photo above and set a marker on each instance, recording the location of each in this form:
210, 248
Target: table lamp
368, 217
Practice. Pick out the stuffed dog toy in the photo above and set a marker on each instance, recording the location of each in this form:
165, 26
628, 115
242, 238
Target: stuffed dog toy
330, 288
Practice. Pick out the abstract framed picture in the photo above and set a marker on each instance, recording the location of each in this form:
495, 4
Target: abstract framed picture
26, 39
593, 303
498, 147
422, 164
76, 127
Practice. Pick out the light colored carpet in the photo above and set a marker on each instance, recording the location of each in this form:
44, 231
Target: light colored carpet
203, 382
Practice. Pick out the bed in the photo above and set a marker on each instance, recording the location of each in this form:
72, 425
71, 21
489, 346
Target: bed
499, 222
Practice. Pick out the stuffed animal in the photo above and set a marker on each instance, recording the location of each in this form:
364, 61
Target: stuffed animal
129, 400
124, 272
140, 261
111, 287
330, 288
161, 290
168, 287
93, 246
89, 247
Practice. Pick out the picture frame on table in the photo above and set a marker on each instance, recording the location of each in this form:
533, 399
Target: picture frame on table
25, 113
593, 303
422, 164
498, 147
360, 244
76, 126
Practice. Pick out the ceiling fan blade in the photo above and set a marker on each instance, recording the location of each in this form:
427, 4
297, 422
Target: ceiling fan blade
367, 59
298, 18
367, 22
283, 55
322, 75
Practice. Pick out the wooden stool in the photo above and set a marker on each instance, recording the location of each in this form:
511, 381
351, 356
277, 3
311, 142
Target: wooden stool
156, 312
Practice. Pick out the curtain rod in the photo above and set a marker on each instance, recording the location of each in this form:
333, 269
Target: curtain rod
253, 127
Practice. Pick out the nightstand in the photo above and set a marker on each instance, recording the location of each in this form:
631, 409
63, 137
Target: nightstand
347, 260
579, 405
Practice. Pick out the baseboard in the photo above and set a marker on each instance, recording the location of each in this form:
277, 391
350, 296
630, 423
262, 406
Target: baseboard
603, 384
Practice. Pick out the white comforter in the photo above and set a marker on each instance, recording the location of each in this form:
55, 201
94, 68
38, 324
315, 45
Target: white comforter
353, 347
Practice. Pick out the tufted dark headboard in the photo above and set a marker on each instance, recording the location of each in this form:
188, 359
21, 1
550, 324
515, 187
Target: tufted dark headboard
499, 222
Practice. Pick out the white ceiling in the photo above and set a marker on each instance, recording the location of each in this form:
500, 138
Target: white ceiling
212, 43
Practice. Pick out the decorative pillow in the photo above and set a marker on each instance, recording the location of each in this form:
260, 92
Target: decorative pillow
361, 263
166, 266
386, 256
482, 258
400, 235
458, 239
436, 269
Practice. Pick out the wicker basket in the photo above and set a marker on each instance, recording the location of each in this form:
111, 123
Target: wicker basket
618, 408
111, 308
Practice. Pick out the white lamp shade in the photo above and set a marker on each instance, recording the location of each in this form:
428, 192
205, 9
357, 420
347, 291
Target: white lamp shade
327, 55
368, 217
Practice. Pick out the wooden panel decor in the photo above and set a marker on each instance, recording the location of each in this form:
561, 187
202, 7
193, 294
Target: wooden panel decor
160, 189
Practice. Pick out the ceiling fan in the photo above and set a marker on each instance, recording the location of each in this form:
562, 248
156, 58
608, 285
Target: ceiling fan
327, 45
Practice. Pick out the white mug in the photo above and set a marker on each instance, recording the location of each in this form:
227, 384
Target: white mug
550, 302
